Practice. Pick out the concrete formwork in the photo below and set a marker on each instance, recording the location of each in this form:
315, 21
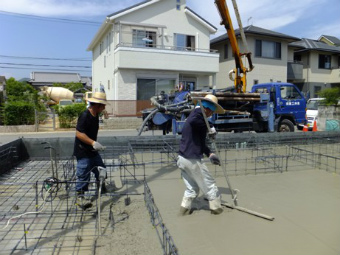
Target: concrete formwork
293, 178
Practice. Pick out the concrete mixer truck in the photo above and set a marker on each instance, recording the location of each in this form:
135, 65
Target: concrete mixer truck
58, 93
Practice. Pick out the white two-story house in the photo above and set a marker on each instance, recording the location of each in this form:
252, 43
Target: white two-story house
148, 48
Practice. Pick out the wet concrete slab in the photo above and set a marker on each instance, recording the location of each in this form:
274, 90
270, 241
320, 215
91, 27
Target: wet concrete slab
305, 204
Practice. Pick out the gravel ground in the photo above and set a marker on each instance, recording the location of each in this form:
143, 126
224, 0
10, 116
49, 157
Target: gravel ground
133, 232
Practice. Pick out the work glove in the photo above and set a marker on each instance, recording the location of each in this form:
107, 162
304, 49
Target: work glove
98, 147
212, 133
214, 159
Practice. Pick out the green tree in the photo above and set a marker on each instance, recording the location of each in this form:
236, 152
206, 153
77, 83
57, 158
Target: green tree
331, 95
22, 100
20, 91
69, 114
18, 113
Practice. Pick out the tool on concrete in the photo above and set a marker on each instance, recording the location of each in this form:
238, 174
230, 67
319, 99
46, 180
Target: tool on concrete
102, 176
232, 191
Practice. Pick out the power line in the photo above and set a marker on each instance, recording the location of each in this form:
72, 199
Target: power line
29, 16
63, 59
15, 64
46, 69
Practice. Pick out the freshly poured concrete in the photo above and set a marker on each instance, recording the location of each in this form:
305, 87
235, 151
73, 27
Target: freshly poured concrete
305, 204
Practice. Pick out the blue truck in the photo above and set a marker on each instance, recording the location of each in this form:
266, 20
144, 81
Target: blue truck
268, 107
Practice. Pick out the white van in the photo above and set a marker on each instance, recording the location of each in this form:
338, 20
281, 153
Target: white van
312, 111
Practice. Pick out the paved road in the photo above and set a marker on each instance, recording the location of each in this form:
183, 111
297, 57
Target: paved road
8, 137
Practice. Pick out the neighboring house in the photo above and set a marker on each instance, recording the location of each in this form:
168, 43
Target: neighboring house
320, 63
330, 40
269, 56
148, 48
40, 79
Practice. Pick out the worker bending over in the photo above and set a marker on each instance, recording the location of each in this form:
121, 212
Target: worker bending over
195, 173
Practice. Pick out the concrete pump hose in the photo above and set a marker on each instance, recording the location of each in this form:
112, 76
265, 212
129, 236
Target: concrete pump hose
146, 120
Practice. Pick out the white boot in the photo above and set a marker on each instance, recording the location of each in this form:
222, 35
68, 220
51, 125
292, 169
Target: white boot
186, 206
215, 206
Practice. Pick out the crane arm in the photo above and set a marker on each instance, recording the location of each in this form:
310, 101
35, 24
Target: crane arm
240, 70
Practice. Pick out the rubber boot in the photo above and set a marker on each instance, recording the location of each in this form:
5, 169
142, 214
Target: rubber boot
186, 206
215, 206
81, 202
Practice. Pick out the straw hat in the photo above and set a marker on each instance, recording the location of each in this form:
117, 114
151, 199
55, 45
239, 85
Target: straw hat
98, 98
212, 99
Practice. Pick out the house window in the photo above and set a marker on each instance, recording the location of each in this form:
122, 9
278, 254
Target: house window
147, 88
267, 49
108, 84
184, 42
142, 38
225, 51
324, 61
297, 58
104, 61
339, 61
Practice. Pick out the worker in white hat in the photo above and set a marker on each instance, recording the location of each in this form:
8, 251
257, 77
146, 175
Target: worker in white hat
86, 147
195, 173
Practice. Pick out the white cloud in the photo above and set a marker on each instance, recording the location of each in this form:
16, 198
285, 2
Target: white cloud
318, 30
52, 8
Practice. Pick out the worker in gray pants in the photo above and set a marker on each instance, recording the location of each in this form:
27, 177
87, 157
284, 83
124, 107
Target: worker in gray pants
195, 174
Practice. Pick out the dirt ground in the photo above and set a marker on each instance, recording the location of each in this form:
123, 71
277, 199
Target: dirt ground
132, 232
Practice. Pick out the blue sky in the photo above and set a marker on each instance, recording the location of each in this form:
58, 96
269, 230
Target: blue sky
40, 35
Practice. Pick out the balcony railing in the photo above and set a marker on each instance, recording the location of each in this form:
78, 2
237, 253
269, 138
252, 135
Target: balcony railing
165, 47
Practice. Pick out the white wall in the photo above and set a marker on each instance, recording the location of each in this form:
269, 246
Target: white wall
161, 13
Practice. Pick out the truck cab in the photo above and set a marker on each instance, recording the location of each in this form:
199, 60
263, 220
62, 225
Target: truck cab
287, 103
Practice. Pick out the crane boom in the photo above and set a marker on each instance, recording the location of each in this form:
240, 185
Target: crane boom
240, 80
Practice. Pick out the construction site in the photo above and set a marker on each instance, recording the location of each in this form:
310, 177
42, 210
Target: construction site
287, 188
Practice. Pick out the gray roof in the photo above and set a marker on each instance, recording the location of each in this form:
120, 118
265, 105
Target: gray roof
253, 30
309, 44
332, 39
49, 77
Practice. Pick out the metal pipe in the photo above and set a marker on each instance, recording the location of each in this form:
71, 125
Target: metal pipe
234, 197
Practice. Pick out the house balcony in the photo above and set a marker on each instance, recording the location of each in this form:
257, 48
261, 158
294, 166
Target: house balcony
167, 58
294, 71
